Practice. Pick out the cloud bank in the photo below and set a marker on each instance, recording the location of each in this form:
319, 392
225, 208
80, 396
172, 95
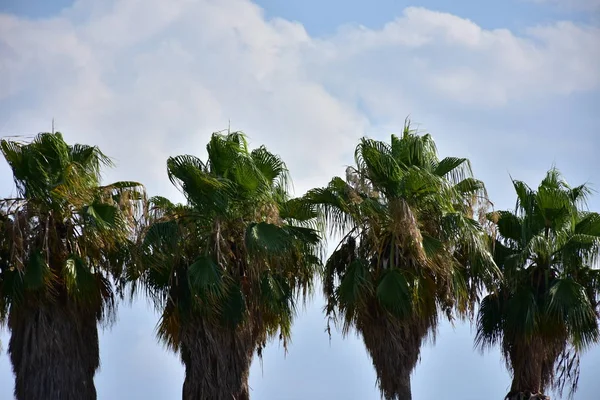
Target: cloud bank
146, 79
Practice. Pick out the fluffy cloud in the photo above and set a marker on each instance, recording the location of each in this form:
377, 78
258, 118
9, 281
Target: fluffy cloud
453, 57
146, 80
572, 5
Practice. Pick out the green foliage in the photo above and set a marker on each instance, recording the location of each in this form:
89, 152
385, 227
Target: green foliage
411, 247
240, 250
37, 274
267, 239
411, 243
233, 307
205, 278
79, 279
394, 294
64, 232
354, 286
547, 250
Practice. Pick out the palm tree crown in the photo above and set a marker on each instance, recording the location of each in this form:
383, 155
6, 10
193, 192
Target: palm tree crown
546, 305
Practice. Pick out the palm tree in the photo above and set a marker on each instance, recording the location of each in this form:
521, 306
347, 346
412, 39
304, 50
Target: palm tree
62, 238
546, 304
225, 269
412, 247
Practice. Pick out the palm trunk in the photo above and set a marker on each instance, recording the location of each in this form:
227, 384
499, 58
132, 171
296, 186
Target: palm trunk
529, 364
532, 362
527, 359
217, 361
54, 352
526, 396
394, 348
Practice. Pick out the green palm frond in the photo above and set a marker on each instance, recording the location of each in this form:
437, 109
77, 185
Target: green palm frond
457, 169
394, 293
490, 321
81, 283
234, 306
205, 278
568, 302
510, 226
271, 167
335, 207
522, 313
525, 196
224, 151
37, 275
198, 185
588, 223
413, 149
267, 238
353, 292
469, 186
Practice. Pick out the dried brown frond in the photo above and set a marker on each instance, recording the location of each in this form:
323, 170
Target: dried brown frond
532, 361
218, 359
394, 347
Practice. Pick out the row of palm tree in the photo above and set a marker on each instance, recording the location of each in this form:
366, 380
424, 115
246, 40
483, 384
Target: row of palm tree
226, 270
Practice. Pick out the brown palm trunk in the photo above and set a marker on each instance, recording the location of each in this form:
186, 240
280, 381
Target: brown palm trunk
527, 359
532, 362
217, 361
529, 362
54, 352
526, 396
394, 348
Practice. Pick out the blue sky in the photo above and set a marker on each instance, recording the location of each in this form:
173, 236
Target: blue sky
513, 85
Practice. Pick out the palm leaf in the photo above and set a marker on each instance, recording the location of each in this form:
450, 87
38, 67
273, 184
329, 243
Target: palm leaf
264, 237
490, 321
233, 307
37, 273
355, 283
205, 278
457, 169
80, 281
569, 303
394, 294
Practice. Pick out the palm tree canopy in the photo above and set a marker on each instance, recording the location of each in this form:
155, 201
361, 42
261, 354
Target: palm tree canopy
547, 250
412, 241
63, 232
240, 244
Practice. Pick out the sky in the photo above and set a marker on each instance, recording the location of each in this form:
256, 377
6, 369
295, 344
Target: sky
513, 85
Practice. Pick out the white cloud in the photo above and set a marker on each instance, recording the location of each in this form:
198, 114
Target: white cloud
457, 59
572, 5
146, 81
